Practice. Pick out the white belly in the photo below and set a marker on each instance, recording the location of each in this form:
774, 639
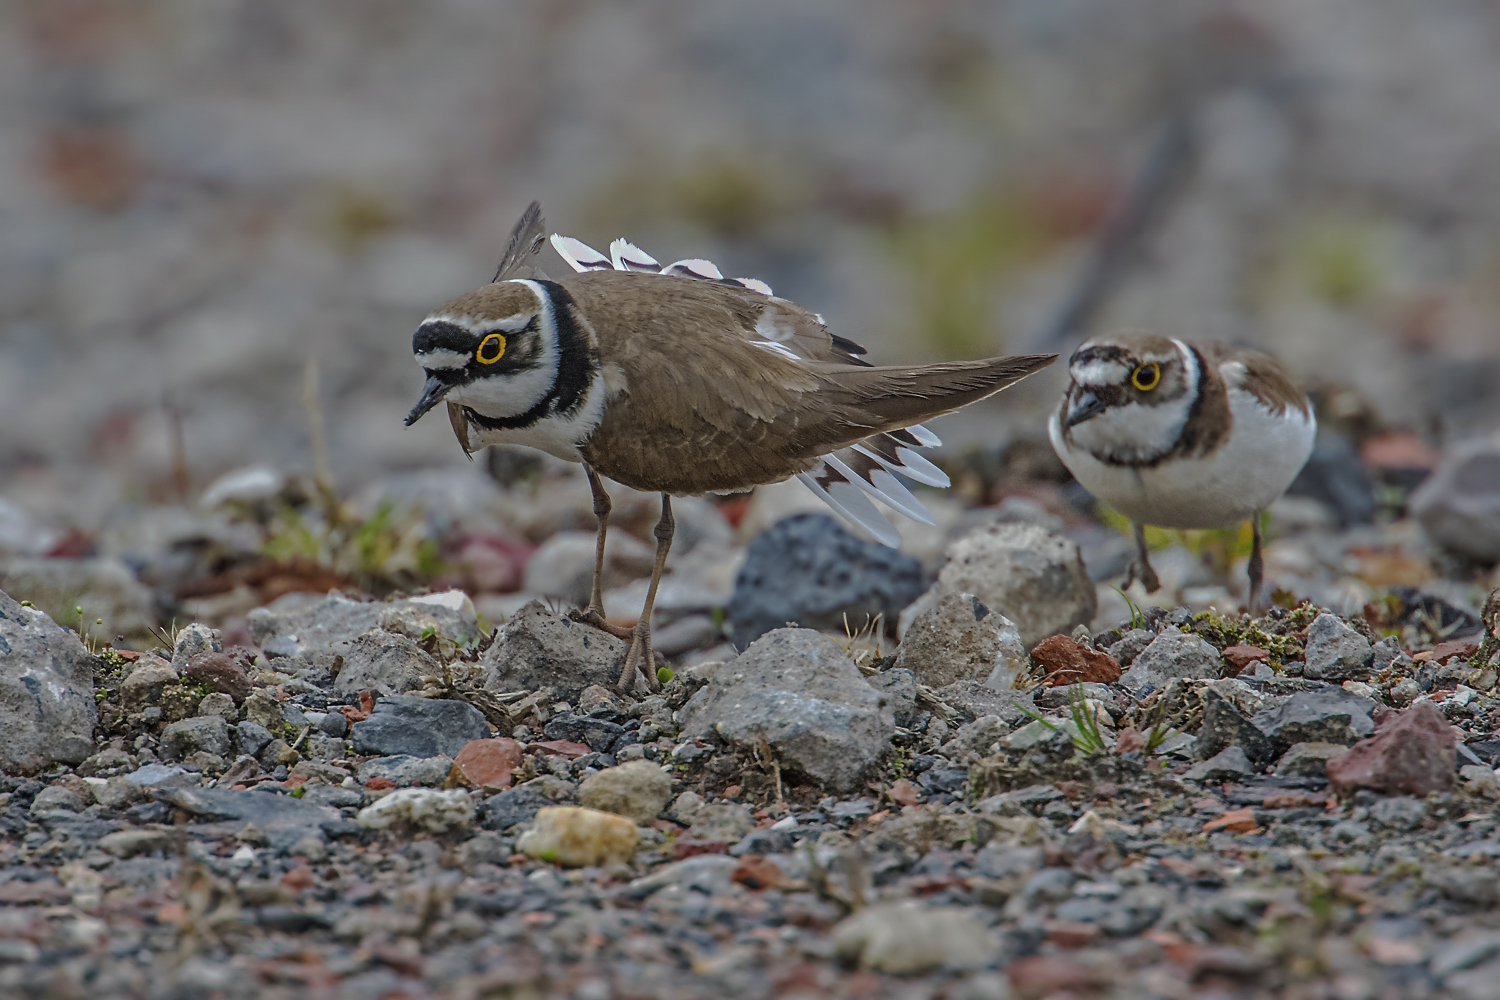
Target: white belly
1262, 456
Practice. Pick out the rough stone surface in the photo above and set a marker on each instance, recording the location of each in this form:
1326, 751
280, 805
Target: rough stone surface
1064, 661
809, 570
1335, 652
1413, 753
194, 640
962, 640
1327, 715
281, 819
510, 807
1130, 645
575, 837
47, 710
538, 648
420, 808
721, 822
1459, 505
1308, 760
1033, 576
206, 733
797, 690
637, 789
1172, 654
251, 738
420, 727
403, 770
1224, 726
384, 662
899, 688
908, 939
332, 625
218, 671
147, 678
1229, 764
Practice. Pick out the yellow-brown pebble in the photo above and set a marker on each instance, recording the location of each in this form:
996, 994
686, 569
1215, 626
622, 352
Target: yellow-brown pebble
579, 838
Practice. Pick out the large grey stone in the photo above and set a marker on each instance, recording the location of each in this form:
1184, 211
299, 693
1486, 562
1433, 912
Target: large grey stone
797, 690
1327, 715
283, 819
418, 727
206, 733
331, 626
538, 648
403, 770
962, 640
47, 709
807, 569
1334, 651
1172, 654
384, 662
1459, 504
1224, 727
638, 789
1032, 576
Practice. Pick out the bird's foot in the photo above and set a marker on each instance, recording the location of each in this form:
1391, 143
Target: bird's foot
1143, 572
595, 617
639, 657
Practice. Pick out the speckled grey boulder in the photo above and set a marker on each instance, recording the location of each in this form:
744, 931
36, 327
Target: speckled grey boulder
1335, 652
47, 709
1170, 655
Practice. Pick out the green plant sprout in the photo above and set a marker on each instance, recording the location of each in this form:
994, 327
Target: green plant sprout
1086, 734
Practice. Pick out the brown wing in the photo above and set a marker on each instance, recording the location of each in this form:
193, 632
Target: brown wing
1257, 373
715, 399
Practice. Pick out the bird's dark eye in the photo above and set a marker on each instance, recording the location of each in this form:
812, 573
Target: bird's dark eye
490, 349
1146, 376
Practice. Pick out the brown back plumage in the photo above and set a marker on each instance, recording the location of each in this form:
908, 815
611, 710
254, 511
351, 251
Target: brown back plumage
701, 401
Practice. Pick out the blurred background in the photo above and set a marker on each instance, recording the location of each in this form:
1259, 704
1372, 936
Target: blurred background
220, 223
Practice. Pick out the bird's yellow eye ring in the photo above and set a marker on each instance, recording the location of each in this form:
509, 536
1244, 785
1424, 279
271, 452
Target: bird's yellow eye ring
490, 349
1146, 376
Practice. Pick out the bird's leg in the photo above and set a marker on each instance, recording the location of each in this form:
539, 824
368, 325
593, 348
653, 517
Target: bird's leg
640, 644
594, 613
1141, 569
1257, 565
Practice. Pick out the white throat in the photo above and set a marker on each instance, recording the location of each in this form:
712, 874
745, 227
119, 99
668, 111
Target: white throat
514, 394
1136, 433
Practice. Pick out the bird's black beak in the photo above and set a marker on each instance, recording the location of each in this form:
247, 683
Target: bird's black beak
432, 394
1085, 405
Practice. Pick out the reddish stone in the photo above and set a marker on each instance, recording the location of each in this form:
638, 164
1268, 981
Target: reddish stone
220, 672
1240, 657
1130, 739
1461, 648
378, 783
299, 878
1401, 450
904, 793
756, 872
1067, 934
1411, 753
1067, 662
1291, 800
1044, 975
488, 763
360, 714
1234, 821
564, 748
687, 847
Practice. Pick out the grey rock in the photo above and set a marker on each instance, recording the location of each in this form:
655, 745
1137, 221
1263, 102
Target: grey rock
104, 588
1032, 576
1335, 652
283, 819
384, 662
596, 733
538, 648
403, 770
1398, 812
219, 704
798, 691
908, 939
1459, 504
1335, 475
638, 790
161, 776
334, 724
1388, 655
1327, 715
57, 797
1130, 645
996, 860
1224, 726
1469, 949
117, 793
961, 640
724, 822
899, 689
251, 738
1172, 654
510, 807
331, 626
47, 708
973, 699
1228, 765
203, 733
419, 727
809, 570
192, 641
1308, 760
107, 763
975, 740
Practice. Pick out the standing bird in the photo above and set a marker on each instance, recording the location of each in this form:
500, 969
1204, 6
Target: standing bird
1182, 435
679, 381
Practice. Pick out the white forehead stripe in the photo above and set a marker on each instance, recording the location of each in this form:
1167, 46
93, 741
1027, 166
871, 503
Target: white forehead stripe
509, 324
1099, 372
442, 358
